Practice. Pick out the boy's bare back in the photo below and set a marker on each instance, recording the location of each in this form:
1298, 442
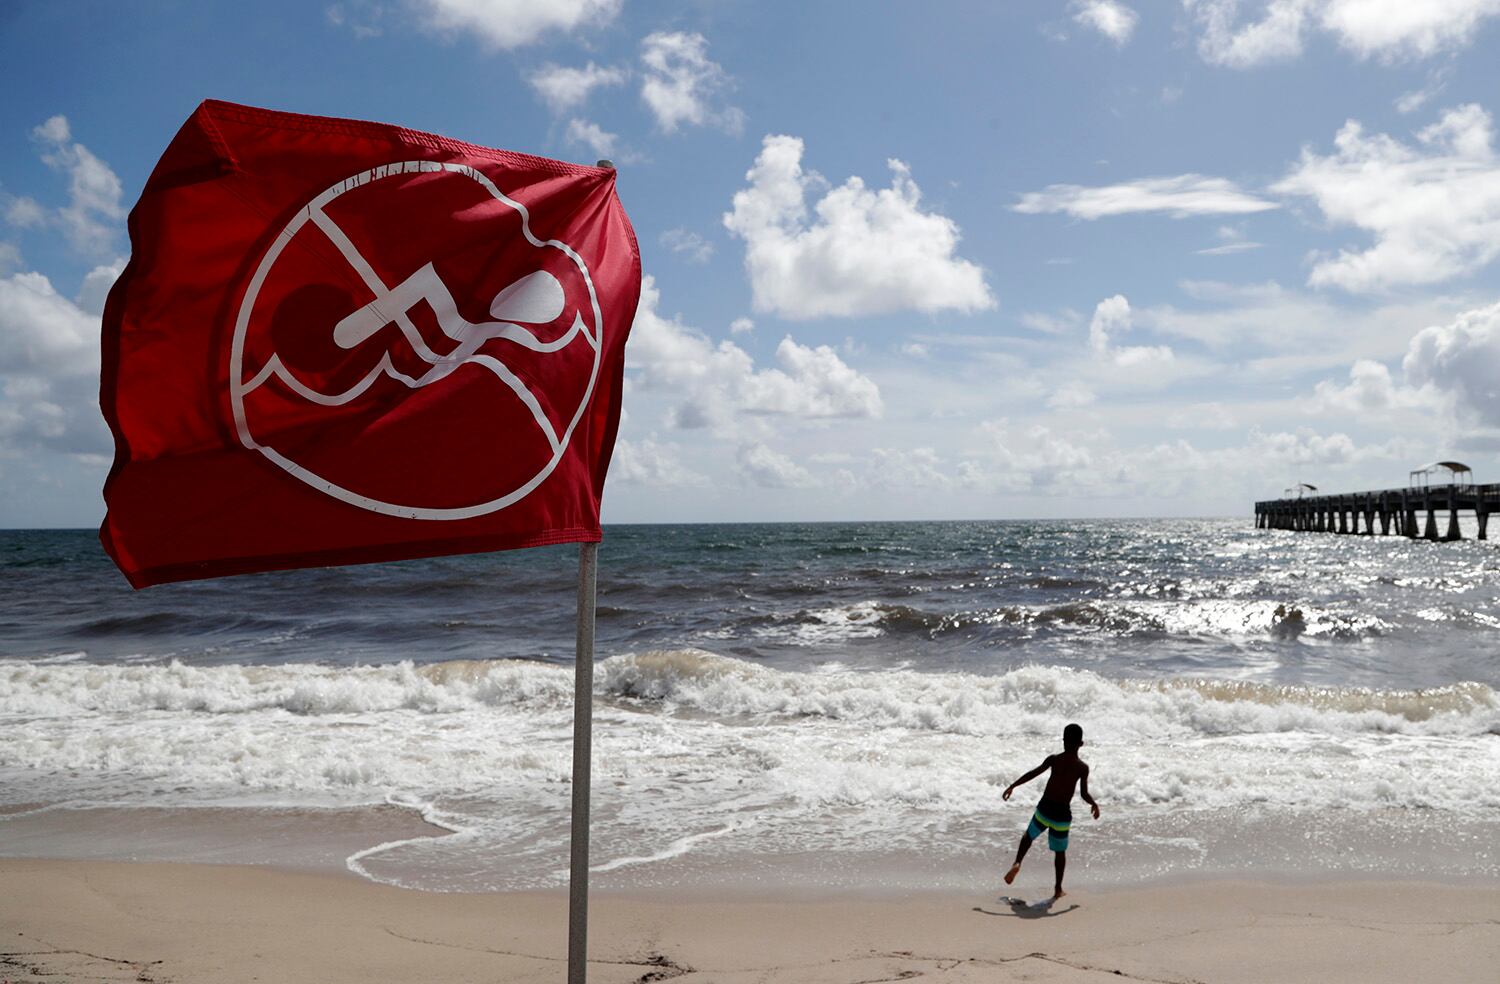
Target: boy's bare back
1066, 772
1067, 769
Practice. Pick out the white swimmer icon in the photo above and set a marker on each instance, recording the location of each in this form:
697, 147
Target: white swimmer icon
536, 298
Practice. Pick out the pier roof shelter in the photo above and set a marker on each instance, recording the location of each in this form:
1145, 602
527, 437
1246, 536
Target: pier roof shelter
1457, 474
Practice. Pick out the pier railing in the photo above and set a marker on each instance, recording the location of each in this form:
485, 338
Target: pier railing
1397, 511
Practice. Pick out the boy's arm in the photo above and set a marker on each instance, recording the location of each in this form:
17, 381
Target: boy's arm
1046, 764
1083, 791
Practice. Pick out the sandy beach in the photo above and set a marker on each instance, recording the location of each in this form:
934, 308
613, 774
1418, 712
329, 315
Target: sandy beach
783, 467
109, 921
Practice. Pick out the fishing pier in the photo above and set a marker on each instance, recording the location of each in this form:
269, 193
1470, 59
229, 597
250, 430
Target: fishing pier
1444, 487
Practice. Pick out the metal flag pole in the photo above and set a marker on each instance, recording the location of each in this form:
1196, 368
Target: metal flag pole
583, 720
583, 741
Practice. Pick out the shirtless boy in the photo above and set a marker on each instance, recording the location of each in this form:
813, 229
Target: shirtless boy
1055, 811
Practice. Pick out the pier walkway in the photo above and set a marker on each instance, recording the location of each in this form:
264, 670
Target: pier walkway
1398, 511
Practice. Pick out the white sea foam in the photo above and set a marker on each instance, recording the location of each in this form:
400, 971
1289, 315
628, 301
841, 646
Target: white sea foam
961, 703
1030, 700
677, 848
1209, 617
1231, 617
820, 626
1134, 610
49, 660
697, 753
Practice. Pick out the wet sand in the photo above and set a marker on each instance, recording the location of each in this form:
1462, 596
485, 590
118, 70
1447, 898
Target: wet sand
153, 921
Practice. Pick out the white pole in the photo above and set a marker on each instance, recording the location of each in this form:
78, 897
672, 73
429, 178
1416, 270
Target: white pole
583, 720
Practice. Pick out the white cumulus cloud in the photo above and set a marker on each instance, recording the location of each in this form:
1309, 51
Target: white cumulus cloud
1226, 38
1461, 361
813, 382
49, 344
681, 85
512, 23
1370, 388
91, 217
907, 468
657, 465
1019, 457
712, 383
49, 366
25, 213
564, 89
364, 18
1180, 196
1433, 207
600, 142
1110, 18
1306, 447
96, 285
1111, 319
1029, 458
771, 469
1405, 28
860, 252
687, 244
1242, 34
1449, 386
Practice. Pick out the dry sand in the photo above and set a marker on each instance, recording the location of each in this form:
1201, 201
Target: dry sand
108, 921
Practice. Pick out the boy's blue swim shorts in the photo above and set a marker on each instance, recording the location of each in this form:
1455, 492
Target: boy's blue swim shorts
1055, 820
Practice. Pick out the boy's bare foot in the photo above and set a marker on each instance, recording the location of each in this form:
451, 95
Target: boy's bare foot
1010, 875
1058, 894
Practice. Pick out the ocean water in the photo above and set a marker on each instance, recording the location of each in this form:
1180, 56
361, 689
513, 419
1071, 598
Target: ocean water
825, 706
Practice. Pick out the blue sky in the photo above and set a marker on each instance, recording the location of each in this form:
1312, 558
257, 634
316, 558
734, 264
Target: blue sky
933, 260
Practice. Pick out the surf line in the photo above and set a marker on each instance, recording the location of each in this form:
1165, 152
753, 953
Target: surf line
678, 847
428, 813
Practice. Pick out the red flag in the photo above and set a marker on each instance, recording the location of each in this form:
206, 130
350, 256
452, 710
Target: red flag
339, 342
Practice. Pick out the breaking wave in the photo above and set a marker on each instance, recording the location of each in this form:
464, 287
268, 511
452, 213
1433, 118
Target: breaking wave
1027, 700
1207, 618
1031, 700
697, 752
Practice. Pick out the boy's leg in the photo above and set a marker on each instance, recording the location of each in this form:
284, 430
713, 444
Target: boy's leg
1026, 840
1059, 862
1025, 846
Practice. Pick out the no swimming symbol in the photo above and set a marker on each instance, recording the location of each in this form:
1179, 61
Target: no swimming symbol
351, 353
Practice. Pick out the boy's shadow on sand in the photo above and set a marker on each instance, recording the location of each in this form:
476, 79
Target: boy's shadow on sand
1022, 909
